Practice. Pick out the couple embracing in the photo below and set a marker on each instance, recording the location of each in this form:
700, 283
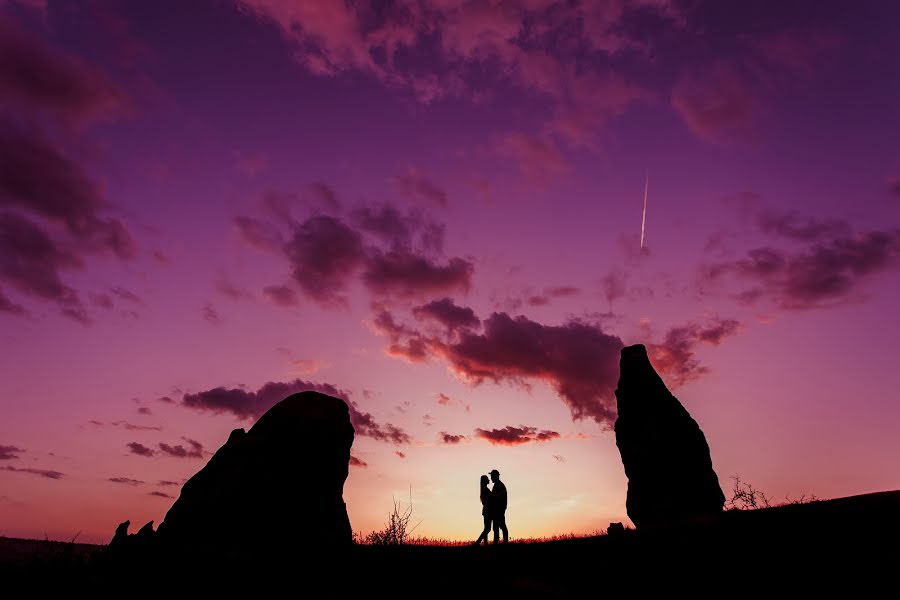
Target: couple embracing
493, 502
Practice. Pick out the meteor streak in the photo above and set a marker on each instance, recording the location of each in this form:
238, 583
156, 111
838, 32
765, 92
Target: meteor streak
644, 213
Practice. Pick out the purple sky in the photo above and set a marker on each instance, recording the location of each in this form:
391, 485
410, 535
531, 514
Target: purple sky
432, 208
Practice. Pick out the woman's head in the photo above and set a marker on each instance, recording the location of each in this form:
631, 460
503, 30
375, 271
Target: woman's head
484, 480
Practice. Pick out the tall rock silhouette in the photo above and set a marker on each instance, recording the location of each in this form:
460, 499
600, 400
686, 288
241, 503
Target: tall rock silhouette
665, 454
276, 486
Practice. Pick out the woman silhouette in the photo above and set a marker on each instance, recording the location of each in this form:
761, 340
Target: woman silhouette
486, 510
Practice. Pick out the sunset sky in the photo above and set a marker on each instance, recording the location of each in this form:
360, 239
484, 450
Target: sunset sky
432, 208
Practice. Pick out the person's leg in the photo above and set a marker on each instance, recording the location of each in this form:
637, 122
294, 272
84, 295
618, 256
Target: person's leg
497, 529
485, 532
501, 522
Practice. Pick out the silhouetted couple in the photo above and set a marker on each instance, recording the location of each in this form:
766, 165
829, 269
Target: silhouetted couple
493, 509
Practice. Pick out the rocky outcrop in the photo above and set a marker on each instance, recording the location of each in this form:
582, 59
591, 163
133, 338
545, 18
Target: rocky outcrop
665, 454
278, 485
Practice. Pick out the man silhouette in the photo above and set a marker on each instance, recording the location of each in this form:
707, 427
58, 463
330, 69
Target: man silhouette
498, 493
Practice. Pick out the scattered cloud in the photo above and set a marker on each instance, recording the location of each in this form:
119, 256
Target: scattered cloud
515, 436
48, 474
211, 315
356, 462
400, 454
10, 452
144, 410
552, 293
125, 481
559, 458
194, 449
140, 449
160, 494
166, 483
451, 439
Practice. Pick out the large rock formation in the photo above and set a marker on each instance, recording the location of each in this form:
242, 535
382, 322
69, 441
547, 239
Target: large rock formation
666, 458
278, 485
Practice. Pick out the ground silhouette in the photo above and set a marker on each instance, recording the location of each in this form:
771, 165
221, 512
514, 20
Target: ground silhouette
267, 512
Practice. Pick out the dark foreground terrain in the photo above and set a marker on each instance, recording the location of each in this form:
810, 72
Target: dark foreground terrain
848, 541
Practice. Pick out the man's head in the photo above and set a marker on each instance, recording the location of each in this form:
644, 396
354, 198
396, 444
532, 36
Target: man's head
495, 475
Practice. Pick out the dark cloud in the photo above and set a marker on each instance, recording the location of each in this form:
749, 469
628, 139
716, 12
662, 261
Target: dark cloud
144, 410
400, 454
324, 254
39, 472
34, 76
387, 223
140, 449
166, 400
245, 404
829, 269
401, 273
10, 452
193, 450
448, 314
674, 358
166, 483
578, 359
37, 177
452, 439
131, 426
415, 185
125, 481
514, 436
31, 262
211, 315
356, 462
559, 458
159, 494
394, 254
281, 295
